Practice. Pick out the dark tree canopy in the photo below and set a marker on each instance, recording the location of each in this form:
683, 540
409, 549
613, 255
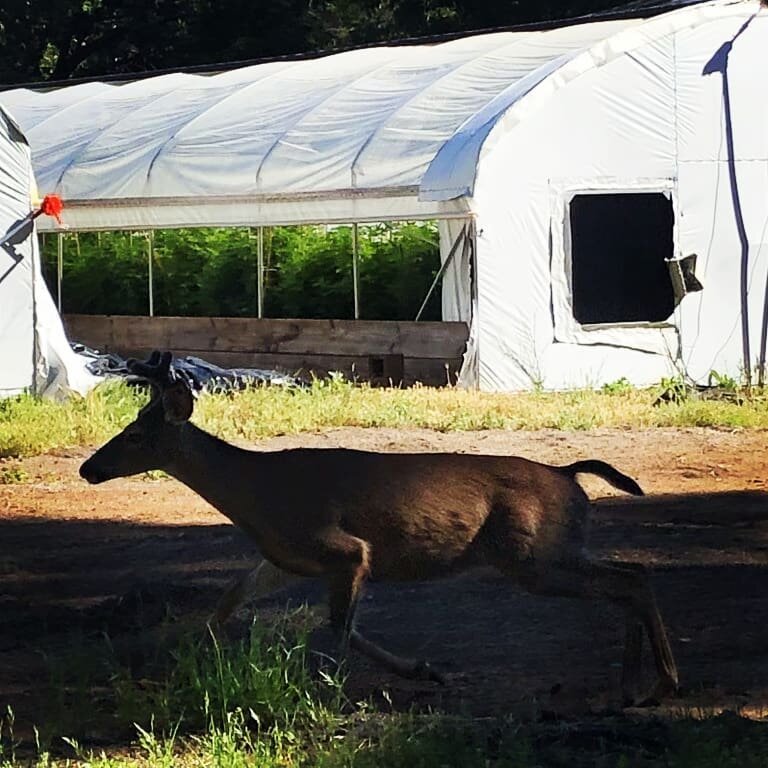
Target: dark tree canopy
93, 38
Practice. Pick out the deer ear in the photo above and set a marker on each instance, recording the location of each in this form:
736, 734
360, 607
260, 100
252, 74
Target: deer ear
178, 402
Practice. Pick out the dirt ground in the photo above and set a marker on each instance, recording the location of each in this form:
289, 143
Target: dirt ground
75, 559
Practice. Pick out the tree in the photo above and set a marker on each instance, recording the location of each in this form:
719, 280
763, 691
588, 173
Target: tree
80, 38
95, 38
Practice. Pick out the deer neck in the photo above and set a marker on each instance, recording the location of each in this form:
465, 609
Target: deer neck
214, 469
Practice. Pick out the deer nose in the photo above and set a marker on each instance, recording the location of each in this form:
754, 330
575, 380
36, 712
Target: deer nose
91, 473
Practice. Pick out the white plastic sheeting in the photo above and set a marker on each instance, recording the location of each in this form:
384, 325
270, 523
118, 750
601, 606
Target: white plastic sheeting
642, 110
495, 134
34, 353
340, 138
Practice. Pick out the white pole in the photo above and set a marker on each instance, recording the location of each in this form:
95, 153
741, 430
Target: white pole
260, 273
59, 267
355, 271
150, 259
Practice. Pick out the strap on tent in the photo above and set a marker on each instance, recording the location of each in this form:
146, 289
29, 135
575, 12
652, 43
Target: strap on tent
462, 238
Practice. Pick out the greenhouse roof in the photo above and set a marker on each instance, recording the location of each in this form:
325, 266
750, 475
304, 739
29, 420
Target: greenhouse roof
308, 140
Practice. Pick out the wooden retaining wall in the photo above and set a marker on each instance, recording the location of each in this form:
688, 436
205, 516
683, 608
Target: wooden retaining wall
372, 350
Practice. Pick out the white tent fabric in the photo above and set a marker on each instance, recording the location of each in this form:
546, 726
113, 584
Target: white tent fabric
341, 138
34, 353
645, 110
495, 134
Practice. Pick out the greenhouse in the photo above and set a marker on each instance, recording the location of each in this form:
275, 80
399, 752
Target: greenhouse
600, 187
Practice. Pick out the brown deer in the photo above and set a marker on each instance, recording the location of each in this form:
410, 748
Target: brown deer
348, 516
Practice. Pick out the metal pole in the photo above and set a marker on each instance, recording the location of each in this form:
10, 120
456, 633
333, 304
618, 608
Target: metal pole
355, 270
150, 259
59, 267
260, 273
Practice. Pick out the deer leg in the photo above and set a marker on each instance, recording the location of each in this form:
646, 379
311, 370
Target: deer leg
264, 579
343, 595
413, 669
631, 667
347, 561
628, 587
345, 588
631, 587
632, 662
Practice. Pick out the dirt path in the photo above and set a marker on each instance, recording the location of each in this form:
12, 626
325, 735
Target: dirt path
68, 550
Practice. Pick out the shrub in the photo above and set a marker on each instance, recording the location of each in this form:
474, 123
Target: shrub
213, 272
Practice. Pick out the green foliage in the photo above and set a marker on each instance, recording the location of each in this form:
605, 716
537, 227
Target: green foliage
424, 741
265, 677
12, 474
727, 742
723, 381
81, 38
212, 272
262, 701
100, 270
673, 389
29, 425
618, 387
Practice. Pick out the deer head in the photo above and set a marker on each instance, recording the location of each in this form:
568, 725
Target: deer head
153, 439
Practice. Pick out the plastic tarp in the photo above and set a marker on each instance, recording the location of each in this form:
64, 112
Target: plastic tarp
496, 132
34, 353
346, 137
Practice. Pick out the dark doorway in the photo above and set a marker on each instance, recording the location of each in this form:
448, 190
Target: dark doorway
619, 245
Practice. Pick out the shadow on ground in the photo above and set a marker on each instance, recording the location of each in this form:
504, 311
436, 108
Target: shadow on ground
65, 585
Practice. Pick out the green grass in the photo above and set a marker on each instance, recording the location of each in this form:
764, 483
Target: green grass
12, 474
264, 700
30, 426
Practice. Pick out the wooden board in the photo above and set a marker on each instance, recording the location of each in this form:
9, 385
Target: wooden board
297, 337
430, 352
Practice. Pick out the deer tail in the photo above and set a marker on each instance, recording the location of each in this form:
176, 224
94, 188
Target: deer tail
606, 472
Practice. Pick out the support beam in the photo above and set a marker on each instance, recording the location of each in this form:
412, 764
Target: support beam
59, 267
150, 271
355, 270
260, 273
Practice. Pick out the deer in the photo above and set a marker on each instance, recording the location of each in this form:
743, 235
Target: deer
349, 516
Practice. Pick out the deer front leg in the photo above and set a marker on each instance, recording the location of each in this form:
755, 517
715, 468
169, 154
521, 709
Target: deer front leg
265, 579
345, 588
413, 669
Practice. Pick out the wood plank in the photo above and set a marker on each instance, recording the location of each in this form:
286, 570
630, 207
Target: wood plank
137, 336
303, 337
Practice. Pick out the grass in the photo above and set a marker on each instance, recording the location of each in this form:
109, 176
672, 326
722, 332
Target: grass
30, 426
12, 474
264, 700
